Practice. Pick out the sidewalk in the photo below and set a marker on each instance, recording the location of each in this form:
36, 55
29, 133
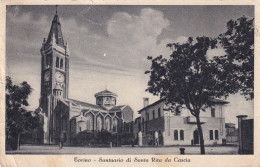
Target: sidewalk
174, 150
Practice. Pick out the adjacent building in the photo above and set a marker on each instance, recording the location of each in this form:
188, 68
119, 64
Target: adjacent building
65, 117
180, 128
231, 132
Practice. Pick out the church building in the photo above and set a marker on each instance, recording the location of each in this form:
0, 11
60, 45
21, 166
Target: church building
67, 117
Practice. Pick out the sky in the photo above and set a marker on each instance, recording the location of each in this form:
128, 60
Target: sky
109, 46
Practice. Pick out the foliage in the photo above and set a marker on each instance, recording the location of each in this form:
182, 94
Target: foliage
127, 138
18, 119
188, 78
238, 62
148, 139
104, 137
84, 138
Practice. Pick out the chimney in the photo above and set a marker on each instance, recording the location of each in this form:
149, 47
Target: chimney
146, 101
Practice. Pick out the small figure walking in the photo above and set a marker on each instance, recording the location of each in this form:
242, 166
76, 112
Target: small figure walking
61, 140
133, 142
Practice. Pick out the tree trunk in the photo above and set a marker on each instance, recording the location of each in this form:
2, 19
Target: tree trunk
202, 147
18, 142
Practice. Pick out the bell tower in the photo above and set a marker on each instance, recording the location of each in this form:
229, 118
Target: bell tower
54, 74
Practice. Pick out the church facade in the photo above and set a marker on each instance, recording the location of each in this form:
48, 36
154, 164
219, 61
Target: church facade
68, 117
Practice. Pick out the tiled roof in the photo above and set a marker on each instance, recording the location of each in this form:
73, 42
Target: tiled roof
66, 102
87, 104
105, 93
116, 108
150, 105
158, 101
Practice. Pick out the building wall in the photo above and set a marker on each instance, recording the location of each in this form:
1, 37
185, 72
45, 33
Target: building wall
127, 114
169, 122
61, 124
109, 122
137, 125
247, 136
147, 116
232, 138
231, 134
180, 123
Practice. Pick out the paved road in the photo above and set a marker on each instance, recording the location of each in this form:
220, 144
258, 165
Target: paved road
29, 149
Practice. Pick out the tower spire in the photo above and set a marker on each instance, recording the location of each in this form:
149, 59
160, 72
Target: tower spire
56, 9
56, 30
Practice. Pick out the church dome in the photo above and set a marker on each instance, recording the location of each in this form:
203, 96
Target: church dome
105, 93
106, 99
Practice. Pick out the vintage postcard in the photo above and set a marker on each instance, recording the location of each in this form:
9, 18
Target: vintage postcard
129, 83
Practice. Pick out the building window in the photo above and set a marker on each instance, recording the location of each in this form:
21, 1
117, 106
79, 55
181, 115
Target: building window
159, 112
57, 62
181, 134
216, 134
61, 63
99, 124
48, 61
108, 124
147, 116
89, 124
115, 125
213, 112
211, 135
175, 134
153, 114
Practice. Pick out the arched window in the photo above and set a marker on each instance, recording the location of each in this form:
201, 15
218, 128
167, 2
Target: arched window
89, 123
57, 62
99, 123
115, 123
216, 134
181, 134
175, 134
61, 63
48, 61
108, 123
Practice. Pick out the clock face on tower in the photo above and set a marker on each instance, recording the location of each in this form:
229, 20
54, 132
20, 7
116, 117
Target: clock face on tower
47, 76
59, 77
